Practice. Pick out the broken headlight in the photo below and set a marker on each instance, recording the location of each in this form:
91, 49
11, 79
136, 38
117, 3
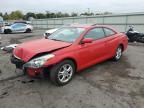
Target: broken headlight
39, 61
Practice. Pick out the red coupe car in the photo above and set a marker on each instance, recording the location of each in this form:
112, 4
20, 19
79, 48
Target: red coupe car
69, 50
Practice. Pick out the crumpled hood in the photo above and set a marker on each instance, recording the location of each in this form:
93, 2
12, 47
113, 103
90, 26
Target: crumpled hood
27, 50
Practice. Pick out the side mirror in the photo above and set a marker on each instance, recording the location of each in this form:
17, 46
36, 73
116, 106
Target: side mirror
87, 40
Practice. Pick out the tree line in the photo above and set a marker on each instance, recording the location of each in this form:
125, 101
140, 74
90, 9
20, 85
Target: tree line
18, 15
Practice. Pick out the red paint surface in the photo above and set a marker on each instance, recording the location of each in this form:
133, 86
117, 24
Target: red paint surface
84, 55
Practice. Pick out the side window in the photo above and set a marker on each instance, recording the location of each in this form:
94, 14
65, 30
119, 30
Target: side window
18, 25
95, 33
14, 25
109, 32
21, 25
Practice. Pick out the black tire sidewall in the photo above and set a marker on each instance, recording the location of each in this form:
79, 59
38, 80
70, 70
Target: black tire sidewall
6, 31
55, 69
28, 30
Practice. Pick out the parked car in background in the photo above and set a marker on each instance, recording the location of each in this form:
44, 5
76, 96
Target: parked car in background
69, 50
9, 48
2, 23
49, 32
17, 28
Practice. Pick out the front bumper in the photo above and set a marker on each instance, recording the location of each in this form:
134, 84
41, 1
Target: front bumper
33, 72
18, 62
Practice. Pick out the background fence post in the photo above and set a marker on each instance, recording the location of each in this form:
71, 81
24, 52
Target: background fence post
126, 23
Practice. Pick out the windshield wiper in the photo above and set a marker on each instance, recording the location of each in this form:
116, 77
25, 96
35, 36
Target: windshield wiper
56, 39
60, 40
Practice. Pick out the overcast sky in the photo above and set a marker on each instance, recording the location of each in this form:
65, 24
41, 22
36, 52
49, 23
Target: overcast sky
116, 6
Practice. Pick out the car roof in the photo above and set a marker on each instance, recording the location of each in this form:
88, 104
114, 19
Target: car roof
92, 26
80, 25
25, 22
88, 25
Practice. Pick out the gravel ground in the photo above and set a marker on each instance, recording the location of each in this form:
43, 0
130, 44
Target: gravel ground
7, 39
105, 85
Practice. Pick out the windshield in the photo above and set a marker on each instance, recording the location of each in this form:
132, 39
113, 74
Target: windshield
67, 34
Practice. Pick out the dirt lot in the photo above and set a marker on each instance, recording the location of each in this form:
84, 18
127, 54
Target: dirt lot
106, 85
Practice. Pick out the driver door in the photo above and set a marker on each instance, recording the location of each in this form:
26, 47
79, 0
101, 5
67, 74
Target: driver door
91, 53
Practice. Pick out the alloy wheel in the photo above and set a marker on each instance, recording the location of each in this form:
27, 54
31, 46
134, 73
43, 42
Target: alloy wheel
118, 53
65, 73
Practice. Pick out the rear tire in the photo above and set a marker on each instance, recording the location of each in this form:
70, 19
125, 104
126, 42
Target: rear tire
28, 31
62, 73
118, 53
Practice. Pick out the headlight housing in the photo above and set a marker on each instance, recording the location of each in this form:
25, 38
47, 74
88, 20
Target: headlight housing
38, 62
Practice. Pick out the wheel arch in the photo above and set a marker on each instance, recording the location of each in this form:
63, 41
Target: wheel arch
72, 59
121, 46
8, 30
28, 30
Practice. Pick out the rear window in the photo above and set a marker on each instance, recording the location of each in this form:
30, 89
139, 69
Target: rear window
109, 32
96, 33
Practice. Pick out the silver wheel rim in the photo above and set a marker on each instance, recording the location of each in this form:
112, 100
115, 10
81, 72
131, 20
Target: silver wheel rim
118, 53
65, 73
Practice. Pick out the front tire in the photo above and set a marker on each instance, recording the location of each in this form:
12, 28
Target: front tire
118, 54
62, 73
6, 31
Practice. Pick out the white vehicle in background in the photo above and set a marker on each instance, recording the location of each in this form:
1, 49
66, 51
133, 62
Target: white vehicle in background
49, 32
9, 48
17, 28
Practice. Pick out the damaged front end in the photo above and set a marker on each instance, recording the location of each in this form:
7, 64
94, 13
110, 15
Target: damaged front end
17, 61
32, 57
34, 67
